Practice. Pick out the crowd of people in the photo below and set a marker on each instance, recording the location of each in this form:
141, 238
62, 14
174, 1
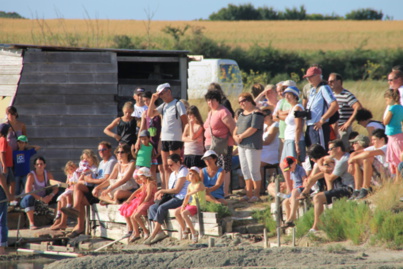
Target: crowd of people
308, 133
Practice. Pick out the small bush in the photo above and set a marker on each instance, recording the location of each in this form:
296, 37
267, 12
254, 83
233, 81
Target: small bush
304, 223
221, 210
265, 217
346, 220
387, 227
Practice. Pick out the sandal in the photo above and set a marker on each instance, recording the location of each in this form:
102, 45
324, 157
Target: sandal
288, 224
303, 196
134, 238
185, 234
195, 237
74, 234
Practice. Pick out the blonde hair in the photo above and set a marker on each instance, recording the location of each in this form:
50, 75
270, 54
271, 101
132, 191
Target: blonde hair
199, 179
128, 105
90, 154
69, 164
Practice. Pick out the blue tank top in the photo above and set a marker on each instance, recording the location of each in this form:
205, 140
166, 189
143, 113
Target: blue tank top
211, 181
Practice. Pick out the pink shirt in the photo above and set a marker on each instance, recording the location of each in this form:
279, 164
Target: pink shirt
219, 128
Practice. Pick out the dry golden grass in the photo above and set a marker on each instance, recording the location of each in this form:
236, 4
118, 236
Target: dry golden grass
288, 35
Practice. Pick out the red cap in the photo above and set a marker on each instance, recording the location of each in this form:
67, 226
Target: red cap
287, 162
312, 71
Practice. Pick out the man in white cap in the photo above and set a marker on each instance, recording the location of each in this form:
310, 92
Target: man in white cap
174, 119
321, 106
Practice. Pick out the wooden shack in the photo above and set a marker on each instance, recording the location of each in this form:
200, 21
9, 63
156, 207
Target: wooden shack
67, 96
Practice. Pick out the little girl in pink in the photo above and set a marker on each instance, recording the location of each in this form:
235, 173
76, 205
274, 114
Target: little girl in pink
138, 203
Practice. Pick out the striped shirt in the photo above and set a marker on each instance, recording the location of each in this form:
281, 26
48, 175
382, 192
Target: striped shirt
346, 100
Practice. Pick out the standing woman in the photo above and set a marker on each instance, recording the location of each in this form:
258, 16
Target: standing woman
248, 135
17, 127
220, 124
224, 100
393, 122
37, 180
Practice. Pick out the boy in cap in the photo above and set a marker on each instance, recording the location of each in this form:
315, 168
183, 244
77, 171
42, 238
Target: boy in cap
139, 107
174, 119
21, 158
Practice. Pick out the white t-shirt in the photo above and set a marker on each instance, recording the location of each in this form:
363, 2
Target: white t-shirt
171, 120
173, 178
138, 111
380, 158
270, 152
289, 133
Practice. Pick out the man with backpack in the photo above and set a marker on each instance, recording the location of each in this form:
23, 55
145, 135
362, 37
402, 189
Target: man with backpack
348, 107
322, 105
174, 119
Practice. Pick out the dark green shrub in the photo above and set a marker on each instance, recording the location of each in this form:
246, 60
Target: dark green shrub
265, 217
221, 210
304, 223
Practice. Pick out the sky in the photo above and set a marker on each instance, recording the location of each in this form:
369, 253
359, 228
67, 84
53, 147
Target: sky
172, 10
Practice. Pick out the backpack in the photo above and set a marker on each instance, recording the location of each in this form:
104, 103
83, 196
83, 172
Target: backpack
176, 108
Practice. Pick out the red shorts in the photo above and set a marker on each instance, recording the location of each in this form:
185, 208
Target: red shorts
192, 209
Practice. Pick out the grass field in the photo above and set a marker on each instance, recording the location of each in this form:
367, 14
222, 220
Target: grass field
287, 35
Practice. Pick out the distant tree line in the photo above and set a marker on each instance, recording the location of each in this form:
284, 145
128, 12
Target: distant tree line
10, 15
249, 12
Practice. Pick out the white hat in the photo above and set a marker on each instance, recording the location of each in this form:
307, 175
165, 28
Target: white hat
196, 169
209, 153
293, 90
289, 83
144, 171
162, 87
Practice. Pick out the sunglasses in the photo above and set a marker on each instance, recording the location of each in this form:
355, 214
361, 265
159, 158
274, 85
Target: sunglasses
332, 148
392, 79
243, 100
328, 164
102, 150
120, 152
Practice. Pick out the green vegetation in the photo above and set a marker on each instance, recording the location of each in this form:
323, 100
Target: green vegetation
248, 12
304, 223
221, 210
10, 15
265, 217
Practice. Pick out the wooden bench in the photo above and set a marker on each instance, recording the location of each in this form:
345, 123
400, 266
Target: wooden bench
106, 222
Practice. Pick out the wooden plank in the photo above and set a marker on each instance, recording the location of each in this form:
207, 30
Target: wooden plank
68, 57
10, 52
209, 229
89, 78
72, 132
10, 69
9, 79
147, 59
66, 120
113, 234
67, 89
67, 99
54, 109
8, 90
62, 143
109, 213
82, 68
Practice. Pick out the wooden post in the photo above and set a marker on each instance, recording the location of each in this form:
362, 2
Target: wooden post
278, 211
293, 236
211, 242
200, 218
265, 242
87, 227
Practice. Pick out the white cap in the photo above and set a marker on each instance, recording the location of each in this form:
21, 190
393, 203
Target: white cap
289, 83
144, 171
162, 87
196, 169
209, 153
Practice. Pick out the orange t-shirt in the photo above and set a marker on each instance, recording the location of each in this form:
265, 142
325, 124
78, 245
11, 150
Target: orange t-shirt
5, 147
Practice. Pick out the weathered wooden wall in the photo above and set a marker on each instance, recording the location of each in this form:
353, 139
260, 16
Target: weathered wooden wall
10, 71
66, 99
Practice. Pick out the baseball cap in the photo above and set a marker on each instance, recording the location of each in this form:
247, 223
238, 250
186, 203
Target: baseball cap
293, 90
162, 87
144, 171
139, 90
22, 138
312, 71
289, 83
209, 153
145, 133
287, 162
194, 168
361, 138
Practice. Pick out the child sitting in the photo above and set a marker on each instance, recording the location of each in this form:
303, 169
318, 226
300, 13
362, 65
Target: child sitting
196, 190
138, 203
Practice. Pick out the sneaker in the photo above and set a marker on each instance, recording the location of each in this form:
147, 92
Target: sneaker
129, 233
312, 231
159, 237
354, 195
148, 241
363, 193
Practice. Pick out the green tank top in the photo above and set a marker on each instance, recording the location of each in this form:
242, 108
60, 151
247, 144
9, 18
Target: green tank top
144, 156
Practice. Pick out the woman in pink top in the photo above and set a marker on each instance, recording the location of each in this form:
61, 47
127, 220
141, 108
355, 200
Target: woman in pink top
220, 123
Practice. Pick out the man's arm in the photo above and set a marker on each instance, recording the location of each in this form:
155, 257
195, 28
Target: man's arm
356, 106
152, 111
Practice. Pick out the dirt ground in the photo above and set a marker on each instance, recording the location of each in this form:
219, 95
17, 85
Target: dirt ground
236, 252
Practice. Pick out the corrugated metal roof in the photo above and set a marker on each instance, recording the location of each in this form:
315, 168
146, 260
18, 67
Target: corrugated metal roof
118, 51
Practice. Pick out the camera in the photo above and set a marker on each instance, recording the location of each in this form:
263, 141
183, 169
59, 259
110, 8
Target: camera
303, 114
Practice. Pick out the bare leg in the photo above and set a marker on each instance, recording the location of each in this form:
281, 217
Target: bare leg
136, 217
294, 205
357, 176
129, 224
227, 183
157, 229
368, 170
256, 187
121, 195
248, 187
30, 215
287, 208
162, 173
179, 218
81, 218
167, 170
318, 201
186, 216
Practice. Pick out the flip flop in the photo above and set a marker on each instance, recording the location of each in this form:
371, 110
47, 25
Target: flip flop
33, 227
74, 234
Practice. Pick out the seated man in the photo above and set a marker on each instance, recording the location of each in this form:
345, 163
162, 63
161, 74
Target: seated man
372, 160
82, 194
340, 183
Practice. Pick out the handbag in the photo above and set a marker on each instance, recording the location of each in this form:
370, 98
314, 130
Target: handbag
218, 144
165, 198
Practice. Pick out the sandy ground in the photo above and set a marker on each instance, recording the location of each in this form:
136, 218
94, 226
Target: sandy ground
237, 252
